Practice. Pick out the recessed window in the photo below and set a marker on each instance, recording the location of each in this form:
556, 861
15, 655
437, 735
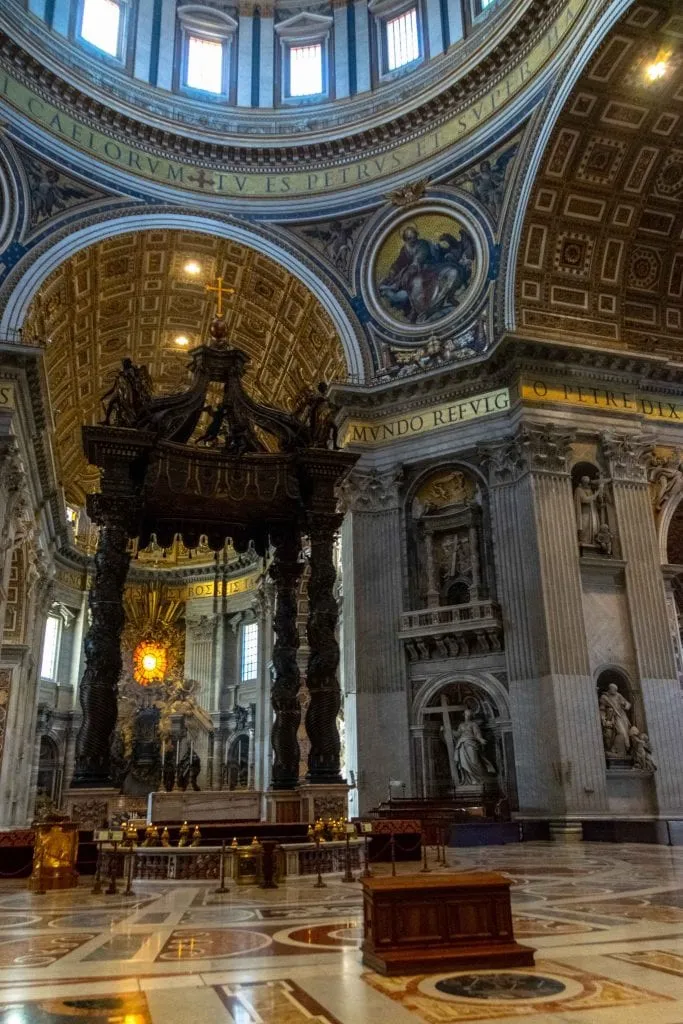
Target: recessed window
206, 37
205, 61
306, 70
101, 25
249, 651
48, 664
403, 43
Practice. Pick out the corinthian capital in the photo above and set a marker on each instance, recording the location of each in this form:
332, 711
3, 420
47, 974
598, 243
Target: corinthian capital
370, 490
533, 449
627, 455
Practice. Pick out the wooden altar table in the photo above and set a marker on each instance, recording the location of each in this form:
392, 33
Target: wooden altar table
415, 923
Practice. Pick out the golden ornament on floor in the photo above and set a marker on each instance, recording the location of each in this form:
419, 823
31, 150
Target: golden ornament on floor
54, 854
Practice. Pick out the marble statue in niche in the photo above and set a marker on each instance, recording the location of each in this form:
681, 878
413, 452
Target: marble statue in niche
642, 751
447, 539
472, 767
615, 721
666, 478
590, 508
626, 746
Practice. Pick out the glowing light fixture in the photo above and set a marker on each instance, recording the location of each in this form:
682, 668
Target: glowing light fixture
193, 268
182, 340
149, 663
656, 70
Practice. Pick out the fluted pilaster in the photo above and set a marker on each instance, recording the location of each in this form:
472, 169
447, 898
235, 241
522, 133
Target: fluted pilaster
372, 603
556, 730
646, 596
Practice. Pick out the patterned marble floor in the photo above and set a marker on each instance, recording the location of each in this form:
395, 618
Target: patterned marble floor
606, 921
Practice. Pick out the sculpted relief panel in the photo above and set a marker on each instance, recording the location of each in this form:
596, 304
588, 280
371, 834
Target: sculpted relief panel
447, 540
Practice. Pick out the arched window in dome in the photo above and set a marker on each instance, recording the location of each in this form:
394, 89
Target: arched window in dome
304, 57
206, 38
102, 24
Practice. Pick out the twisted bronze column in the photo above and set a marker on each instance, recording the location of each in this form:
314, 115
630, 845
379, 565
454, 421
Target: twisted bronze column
285, 571
99, 685
323, 661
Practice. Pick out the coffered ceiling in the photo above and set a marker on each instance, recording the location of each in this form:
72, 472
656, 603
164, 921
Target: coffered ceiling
601, 256
132, 296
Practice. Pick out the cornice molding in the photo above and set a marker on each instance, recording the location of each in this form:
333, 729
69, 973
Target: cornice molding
487, 52
269, 154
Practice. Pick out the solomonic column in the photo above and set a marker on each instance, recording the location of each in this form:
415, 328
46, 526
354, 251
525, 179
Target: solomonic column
116, 515
323, 663
285, 571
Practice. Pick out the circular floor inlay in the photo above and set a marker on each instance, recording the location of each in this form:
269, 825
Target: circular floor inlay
500, 985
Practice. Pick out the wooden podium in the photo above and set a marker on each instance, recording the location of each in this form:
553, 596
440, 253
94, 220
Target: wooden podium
416, 924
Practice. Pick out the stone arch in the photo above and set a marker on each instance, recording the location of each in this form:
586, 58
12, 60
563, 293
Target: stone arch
448, 542
485, 696
670, 532
237, 762
546, 119
30, 273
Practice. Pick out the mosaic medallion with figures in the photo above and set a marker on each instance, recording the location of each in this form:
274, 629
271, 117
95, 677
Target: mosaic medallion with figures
425, 268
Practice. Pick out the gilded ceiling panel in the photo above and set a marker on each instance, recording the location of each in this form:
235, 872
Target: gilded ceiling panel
132, 296
601, 255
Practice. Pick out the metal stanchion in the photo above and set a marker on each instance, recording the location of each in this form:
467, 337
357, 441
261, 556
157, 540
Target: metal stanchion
318, 863
111, 888
367, 873
425, 865
392, 849
130, 867
439, 845
97, 884
222, 887
41, 891
348, 874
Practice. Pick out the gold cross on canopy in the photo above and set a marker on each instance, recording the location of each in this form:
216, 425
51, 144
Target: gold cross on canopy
220, 290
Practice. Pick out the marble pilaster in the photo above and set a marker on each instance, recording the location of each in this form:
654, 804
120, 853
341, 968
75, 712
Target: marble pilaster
362, 26
558, 744
646, 595
375, 668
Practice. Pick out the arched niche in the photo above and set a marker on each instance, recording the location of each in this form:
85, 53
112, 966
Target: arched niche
462, 743
593, 510
619, 712
236, 767
49, 771
448, 544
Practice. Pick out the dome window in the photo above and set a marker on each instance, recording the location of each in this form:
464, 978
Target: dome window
305, 56
398, 35
206, 37
306, 70
102, 24
403, 42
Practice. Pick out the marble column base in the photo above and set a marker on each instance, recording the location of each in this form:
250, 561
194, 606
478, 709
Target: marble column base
562, 831
324, 801
283, 806
93, 807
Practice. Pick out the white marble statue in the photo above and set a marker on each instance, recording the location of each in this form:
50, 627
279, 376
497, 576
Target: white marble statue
642, 751
471, 766
616, 725
587, 498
